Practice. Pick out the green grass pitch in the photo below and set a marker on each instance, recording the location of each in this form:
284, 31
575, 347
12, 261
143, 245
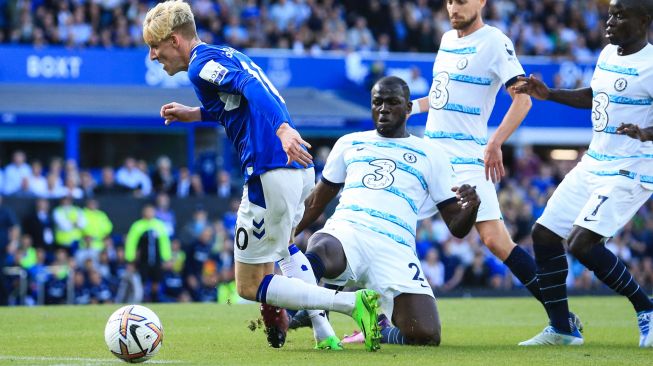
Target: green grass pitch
475, 332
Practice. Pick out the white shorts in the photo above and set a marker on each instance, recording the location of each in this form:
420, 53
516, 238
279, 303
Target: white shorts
489, 209
602, 204
377, 262
272, 205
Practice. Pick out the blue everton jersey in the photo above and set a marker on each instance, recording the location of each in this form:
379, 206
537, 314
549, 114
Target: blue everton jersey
235, 92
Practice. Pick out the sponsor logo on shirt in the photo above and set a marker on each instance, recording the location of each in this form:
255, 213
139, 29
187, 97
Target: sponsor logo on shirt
213, 72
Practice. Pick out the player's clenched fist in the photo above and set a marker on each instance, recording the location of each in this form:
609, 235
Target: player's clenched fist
467, 196
176, 112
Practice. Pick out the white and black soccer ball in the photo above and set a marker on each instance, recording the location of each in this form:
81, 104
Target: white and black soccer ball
134, 333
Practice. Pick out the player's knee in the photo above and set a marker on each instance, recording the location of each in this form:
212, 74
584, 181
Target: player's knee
423, 334
498, 243
542, 235
581, 241
246, 290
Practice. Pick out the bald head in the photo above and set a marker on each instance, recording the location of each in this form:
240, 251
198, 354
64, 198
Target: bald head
643, 7
390, 82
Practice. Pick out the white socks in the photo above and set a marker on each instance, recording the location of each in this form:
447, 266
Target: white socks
293, 293
298, 266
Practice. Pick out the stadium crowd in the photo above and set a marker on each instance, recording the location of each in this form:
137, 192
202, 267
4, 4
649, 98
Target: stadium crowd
572, 29
69, 249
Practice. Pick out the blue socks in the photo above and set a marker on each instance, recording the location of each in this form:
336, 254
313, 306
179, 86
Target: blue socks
611, 271
392, 335
552, 269
523, 267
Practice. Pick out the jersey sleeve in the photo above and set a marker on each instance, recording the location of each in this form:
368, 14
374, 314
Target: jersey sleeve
506, 65
335, 169
224, 74
228, 76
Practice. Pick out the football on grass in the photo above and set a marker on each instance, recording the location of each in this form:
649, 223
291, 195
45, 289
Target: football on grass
134, 333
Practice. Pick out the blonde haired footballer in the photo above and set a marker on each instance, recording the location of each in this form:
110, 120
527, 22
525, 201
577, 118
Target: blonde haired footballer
236, 93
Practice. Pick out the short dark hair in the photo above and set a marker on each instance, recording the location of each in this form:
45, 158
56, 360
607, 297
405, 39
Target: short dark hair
396, 81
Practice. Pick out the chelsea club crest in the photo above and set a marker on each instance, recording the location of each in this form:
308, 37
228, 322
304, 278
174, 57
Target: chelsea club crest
462, 63
620, 84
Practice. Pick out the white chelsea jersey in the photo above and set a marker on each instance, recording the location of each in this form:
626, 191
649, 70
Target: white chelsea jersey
389, 183
467, 74
623, 93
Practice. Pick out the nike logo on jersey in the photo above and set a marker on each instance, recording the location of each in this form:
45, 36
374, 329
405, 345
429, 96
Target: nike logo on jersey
589, 220
510, 52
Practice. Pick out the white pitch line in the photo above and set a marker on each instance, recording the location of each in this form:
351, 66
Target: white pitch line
78, 359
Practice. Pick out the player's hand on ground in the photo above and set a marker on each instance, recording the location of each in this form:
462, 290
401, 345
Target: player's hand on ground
466, 196
631, 130
494, 163
292, 144
531, 86
176, 112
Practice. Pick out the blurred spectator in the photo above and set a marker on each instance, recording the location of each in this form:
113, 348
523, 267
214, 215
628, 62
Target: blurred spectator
24, 190
82, 291
477, 273
40, 226
196, 186
98, 226
192, 230
87, 184
37, 182
148, 245
230, 217
568, 29
162, 179
164, 213
225, 187
130, 289
9, 232
69, 222
416, 83
131, 176
99, 288
197, 255
433, 269
172, 285
359, 37
54, 189
15, 173
108, 185
72, 188
56, 169
183, 186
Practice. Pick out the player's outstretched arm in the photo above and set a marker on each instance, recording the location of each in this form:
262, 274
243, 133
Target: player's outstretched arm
316, 202
176, 112
633, 131
460, 215
577, 98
